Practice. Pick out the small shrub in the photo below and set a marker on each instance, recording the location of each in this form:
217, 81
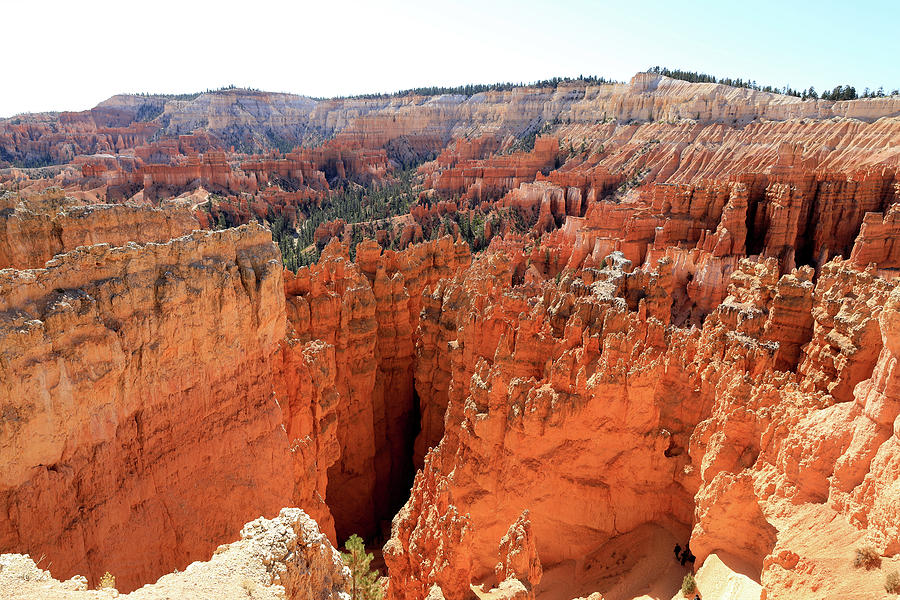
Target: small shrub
892, 582
867, 557
106, 582
688, 584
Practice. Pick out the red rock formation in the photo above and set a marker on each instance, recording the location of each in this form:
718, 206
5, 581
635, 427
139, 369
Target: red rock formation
519, 569
165, 365
328, 230
876, 241
663, 335
713, 406
367, 311
518, 554
333, 302
846, 337
508, 371
32, 234
309, 401
766, 443
491, 177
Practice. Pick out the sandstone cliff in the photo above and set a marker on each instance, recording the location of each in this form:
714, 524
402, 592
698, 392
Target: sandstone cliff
137, 381
31, 235
715, 424
407, 125
367, 311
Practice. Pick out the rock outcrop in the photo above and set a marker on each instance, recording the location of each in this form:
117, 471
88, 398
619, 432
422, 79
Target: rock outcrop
31, 235
367, 311
285, 558
236, 117
531, 379
713, 419
519, 569
876, 242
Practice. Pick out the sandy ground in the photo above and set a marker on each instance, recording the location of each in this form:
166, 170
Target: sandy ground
653, 573
822, 542
720, 579
825, 543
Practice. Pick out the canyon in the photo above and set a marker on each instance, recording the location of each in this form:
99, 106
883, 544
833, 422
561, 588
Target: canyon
612, 318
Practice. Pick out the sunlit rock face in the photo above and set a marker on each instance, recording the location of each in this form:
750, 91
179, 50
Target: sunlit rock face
571, 401
32, 232
138, 402
368, 311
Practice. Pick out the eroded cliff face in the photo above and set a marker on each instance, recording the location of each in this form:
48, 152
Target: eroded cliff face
141, 418
538, 372
736, 434
367, 311
140, 379
720, 422
32, 232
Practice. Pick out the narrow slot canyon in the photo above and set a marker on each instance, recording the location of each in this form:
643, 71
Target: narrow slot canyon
361, 504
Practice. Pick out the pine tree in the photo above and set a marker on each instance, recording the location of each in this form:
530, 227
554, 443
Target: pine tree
365, 584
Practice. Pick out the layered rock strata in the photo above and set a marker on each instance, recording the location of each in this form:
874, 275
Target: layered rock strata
683, 329
168, 365
368, 311
31, 235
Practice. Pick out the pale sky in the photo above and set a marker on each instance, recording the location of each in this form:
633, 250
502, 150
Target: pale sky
71, 55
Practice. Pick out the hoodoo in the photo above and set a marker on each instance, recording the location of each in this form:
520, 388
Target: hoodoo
522, 339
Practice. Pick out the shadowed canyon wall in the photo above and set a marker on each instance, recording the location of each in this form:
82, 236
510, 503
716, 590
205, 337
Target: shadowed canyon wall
368, 310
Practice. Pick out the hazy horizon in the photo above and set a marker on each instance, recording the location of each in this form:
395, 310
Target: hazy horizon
72, 57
